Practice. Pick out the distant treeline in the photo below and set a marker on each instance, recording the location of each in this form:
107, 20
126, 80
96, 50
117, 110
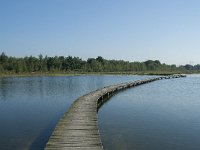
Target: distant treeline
66, 64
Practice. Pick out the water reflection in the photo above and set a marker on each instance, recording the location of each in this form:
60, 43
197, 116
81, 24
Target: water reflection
31, 106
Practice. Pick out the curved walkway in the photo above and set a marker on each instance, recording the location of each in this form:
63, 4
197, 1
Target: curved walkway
78, 128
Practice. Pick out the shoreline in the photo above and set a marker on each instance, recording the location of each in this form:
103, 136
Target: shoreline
38, 74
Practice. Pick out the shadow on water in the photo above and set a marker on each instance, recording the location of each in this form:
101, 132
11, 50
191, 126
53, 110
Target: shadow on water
108, 97
40, 142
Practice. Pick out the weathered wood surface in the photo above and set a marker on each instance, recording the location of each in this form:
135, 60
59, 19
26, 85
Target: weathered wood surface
78, 128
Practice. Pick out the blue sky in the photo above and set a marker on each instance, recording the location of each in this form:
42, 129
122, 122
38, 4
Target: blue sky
134, 30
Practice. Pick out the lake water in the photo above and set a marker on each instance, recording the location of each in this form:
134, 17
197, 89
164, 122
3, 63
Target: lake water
31, 106
162, 115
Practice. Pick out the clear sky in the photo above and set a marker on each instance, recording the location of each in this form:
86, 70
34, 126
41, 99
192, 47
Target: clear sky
134, 30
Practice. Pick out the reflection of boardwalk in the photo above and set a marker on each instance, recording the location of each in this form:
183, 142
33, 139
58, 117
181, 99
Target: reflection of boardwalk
78, 128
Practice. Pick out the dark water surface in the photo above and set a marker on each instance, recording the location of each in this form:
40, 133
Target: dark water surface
31, 106
162, 115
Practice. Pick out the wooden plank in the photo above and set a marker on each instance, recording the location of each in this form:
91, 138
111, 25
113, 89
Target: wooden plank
78, 128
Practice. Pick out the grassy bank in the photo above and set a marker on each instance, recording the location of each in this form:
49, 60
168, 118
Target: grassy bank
11, 74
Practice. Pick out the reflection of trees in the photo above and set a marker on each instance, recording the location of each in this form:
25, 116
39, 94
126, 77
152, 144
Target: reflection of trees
3, 89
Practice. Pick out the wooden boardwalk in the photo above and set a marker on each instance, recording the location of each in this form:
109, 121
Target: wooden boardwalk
78, 128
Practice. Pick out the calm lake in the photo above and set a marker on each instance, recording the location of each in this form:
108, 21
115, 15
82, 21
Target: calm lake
160, 115
31, 106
